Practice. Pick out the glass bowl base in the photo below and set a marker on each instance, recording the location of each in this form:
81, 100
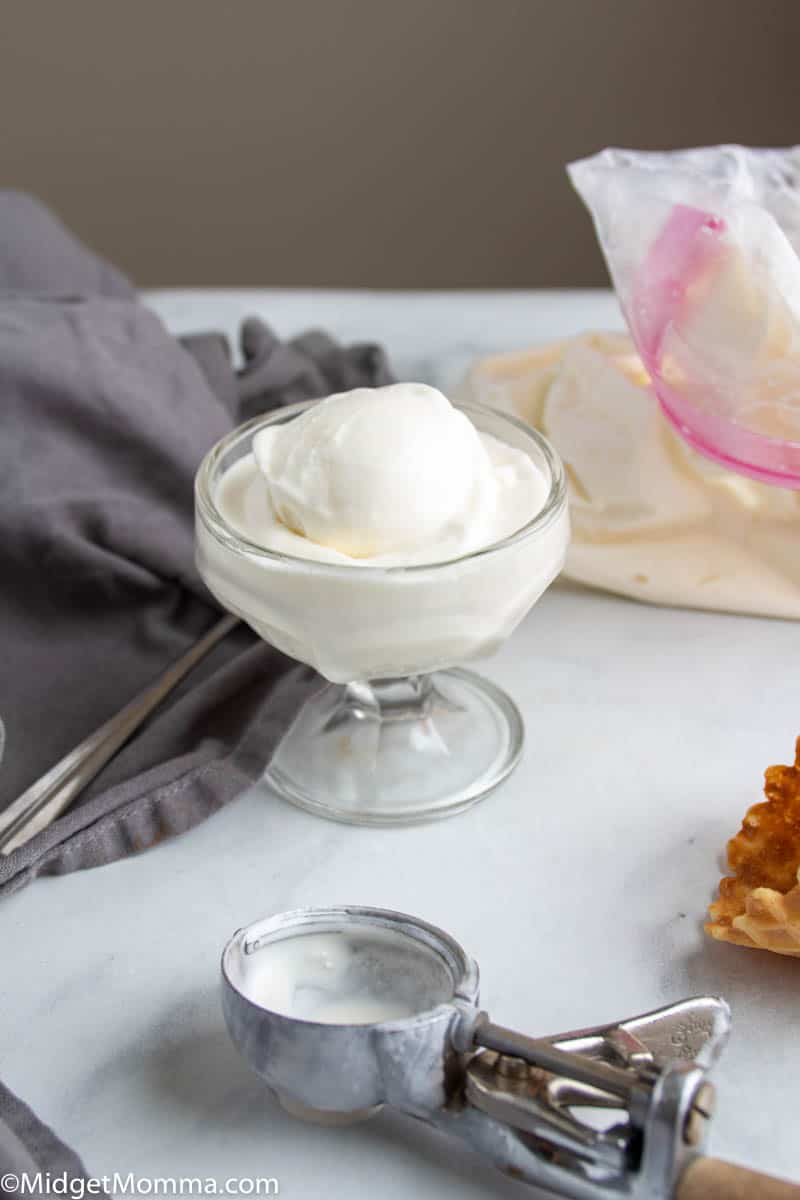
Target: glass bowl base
396, 751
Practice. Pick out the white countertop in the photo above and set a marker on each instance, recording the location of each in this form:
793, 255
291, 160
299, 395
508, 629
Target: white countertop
580, 885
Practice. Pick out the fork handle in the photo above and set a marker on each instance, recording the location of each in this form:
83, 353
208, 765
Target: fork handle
50, 795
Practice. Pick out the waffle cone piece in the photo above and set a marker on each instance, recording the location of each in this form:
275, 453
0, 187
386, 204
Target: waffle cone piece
759, 904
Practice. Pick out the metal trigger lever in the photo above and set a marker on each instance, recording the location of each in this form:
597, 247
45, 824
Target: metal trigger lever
546, 1088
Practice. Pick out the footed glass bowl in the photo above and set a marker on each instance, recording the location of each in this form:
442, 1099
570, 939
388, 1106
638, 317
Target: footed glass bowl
399, 733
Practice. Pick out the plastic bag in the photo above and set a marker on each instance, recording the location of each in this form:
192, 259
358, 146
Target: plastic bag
703, 249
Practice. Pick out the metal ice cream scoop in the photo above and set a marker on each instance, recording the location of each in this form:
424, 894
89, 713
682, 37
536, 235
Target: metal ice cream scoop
343, 1010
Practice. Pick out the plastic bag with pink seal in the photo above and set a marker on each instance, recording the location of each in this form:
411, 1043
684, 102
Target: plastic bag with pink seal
703, 247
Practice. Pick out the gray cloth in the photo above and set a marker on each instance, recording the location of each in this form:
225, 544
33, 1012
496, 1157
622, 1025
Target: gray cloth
29, 1148
37, 254
104, 419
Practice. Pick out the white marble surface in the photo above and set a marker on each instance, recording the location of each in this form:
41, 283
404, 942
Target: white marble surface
432, 336
580, 885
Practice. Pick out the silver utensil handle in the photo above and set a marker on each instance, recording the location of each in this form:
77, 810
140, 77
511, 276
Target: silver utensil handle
50, 795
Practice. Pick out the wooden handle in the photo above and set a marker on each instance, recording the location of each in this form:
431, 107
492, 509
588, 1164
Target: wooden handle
713, 1179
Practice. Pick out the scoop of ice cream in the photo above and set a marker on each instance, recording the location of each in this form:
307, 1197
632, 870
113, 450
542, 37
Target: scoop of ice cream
377, 471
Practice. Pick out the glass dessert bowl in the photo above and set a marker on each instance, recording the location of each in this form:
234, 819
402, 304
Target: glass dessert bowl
399, 733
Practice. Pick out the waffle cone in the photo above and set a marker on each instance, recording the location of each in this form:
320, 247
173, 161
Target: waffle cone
759, 904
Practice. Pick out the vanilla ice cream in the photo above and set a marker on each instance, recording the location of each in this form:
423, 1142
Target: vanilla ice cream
383, 476
378, 471
381, 533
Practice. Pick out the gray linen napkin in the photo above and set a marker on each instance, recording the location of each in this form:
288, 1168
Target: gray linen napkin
28, 1149
104, 418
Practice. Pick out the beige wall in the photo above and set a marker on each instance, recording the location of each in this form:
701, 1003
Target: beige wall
401, 143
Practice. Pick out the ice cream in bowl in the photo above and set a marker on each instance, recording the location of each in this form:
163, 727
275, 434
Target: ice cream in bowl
385, 536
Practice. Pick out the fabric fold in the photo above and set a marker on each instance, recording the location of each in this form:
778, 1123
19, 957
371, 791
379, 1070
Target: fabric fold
104, 419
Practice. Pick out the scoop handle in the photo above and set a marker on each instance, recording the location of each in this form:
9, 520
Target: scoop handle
713, 1179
